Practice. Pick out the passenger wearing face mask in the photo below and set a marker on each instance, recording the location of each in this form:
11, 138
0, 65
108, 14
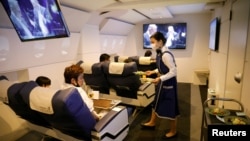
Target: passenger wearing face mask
73, 76
165, 104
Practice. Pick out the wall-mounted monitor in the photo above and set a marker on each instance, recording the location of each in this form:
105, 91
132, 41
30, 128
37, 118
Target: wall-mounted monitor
214, 34
175, 34
36, 19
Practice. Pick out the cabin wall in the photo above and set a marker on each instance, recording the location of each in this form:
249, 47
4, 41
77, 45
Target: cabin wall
89, 43
219, 61
20, 60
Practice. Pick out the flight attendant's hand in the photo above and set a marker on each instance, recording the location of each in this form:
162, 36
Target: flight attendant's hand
148, 73
156, 80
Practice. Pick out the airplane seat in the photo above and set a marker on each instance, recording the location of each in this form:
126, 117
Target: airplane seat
120, 58
126, 86
145, 64
63, 109
15, 102
122, 78
95, 78
66, 111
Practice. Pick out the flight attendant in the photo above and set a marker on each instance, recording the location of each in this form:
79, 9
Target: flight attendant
165, 104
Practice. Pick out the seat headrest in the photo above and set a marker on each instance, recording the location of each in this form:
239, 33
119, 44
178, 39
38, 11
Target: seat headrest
40, 99
123, 69
93, 68
120, 58
116, 67
87, 67
144, 60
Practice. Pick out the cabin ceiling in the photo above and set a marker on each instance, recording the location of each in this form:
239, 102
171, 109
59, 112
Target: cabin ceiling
134, 11
128, 11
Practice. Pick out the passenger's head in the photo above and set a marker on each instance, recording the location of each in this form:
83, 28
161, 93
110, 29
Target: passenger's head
104, 57
157, 40
128, 60
43, 81
74, 75
148, 53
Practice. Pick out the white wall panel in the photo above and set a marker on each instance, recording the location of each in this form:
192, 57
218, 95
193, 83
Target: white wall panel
89, 50
17, 55
115, 27
112, 44
245, 88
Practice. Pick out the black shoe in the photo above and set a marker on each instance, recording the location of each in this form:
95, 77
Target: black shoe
147, 126
165, 137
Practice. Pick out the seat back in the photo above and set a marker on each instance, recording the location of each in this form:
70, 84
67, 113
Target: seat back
15, 101
63, 109
95, 78
120, 58
122, 78
145, 64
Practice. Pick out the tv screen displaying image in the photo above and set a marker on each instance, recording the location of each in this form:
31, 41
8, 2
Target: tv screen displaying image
175, 34
36, 19
214, 34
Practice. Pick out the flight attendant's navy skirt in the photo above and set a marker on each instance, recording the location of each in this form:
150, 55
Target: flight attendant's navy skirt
166, 103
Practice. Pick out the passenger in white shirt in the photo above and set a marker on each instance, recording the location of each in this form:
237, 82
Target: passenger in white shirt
73, 76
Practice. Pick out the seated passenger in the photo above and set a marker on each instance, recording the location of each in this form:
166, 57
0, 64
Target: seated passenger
148, 53
43, 81
73, 76
104, 57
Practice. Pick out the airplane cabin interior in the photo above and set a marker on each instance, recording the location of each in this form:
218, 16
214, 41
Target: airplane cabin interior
208, 41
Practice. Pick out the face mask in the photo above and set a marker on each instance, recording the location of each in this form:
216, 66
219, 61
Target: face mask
153, 46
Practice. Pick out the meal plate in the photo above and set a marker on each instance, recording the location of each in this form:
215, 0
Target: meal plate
235, 120
140, 73
105, 103
217, 111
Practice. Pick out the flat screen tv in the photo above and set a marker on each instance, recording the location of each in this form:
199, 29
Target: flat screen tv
36, 19
175, 34
214, 34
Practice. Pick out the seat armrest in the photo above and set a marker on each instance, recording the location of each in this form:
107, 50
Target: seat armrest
144, 86
147, 89
108, 118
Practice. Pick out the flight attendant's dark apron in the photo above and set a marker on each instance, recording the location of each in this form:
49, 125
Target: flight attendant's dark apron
166, 103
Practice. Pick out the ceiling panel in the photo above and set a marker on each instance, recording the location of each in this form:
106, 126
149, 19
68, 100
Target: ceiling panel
115, 27
87, 5
187, 9
132, 16
75, 19
156, 12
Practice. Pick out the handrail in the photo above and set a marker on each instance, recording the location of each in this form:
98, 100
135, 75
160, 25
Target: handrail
224, 99
204, 123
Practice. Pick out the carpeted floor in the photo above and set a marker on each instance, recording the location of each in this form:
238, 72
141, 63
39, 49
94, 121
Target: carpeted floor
136, 133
